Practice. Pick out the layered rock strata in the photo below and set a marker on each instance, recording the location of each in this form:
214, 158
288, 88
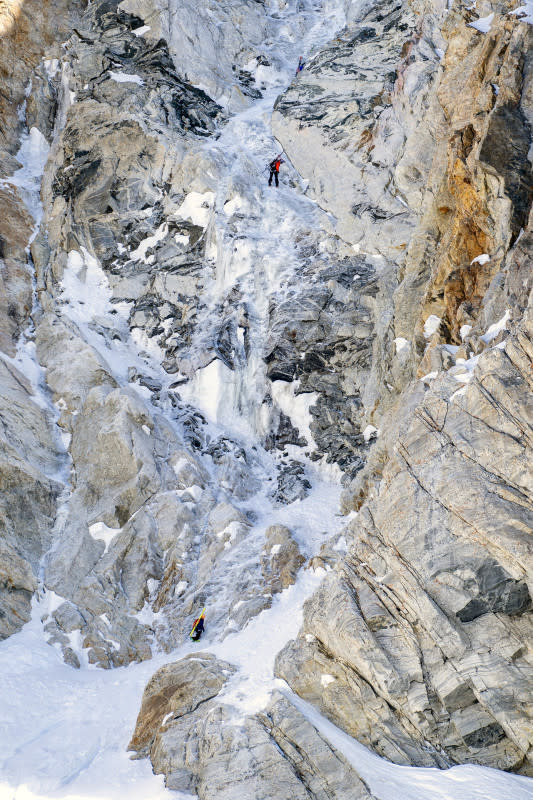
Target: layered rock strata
192, 739
424, 627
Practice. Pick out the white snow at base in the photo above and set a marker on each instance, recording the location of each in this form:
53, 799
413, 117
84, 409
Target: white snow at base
484, 258
431, 325
482, 24
392, 782
496, 328
464, 331
141, 31
125, 77
64, 731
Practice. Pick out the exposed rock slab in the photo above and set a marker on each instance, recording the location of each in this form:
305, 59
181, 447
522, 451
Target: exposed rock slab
194, 742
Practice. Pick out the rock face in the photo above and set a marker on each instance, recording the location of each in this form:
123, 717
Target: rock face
191, 739
424, 626
281, 559
183, 347
429, 613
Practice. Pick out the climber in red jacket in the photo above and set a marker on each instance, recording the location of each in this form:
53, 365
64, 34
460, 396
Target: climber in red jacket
274, 169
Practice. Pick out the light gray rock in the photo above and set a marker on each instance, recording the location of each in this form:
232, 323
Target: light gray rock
29, 466
281, 558
193, 741
432, 606
176, 690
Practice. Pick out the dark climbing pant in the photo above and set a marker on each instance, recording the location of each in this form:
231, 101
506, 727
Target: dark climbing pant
273, 173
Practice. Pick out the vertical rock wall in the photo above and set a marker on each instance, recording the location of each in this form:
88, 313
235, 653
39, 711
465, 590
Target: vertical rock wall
425, 626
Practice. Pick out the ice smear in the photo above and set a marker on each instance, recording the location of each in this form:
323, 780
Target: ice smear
295, 406
482, 24
33, 155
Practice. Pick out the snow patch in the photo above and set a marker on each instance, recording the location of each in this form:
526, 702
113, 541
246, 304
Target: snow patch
125, 77
484, 258
139, 254
180, 588
482, 24
197, 207
431, 325
496, 328
326, 679
101, 532
401, 344
85, 286
525, 12
141, 31
464, 330
194, 491
370, 432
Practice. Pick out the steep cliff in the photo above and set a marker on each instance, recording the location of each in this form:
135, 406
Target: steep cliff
193, 362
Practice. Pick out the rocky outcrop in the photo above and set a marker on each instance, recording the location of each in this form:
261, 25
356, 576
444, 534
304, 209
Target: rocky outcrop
30, 484
281, 558
416, 642
174, 691
431, 611
192, 740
